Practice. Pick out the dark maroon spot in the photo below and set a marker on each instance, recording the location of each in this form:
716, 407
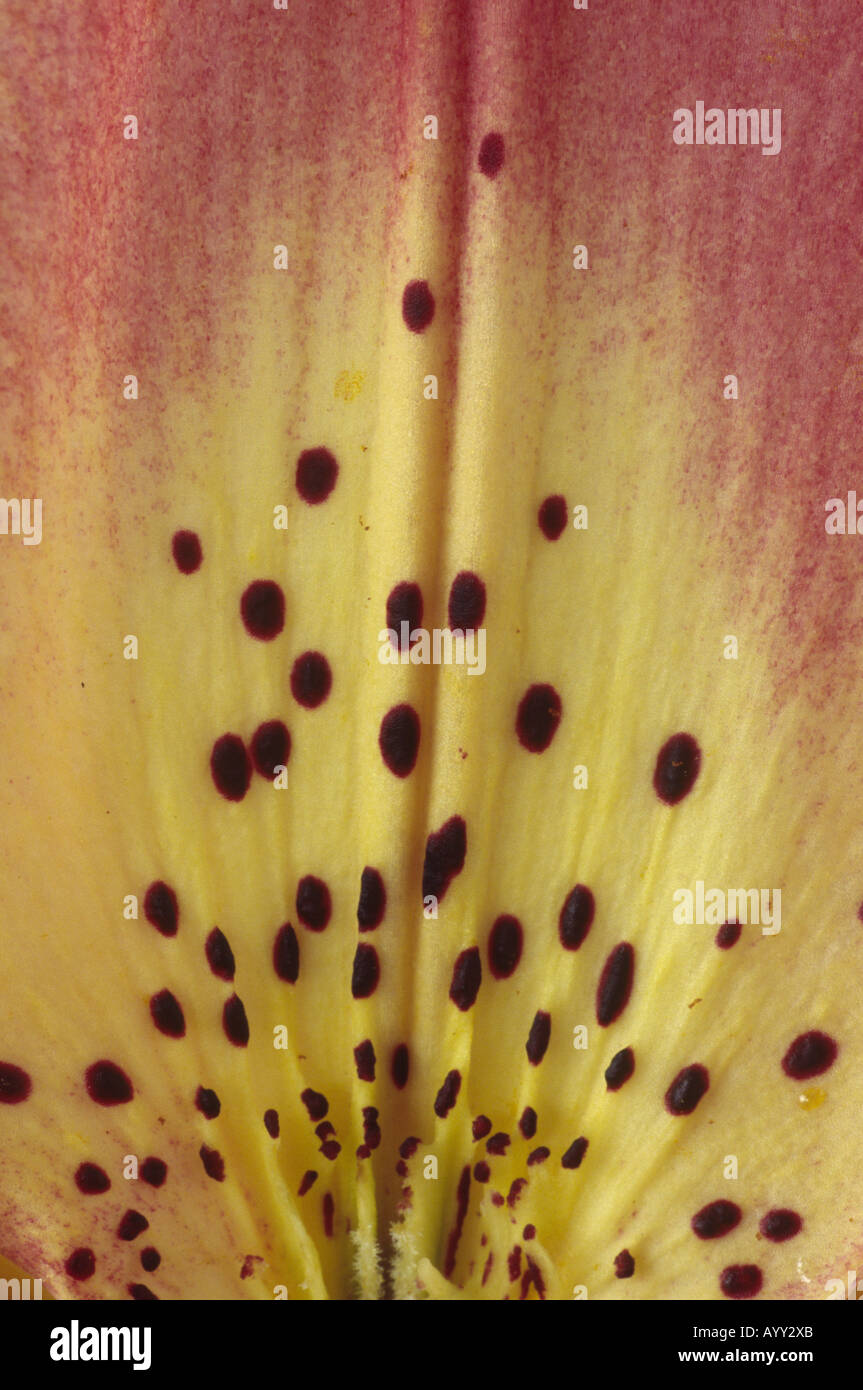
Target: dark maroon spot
466, 607
462, 1195
498, 1143
537, 1042
81, 1264
311, 679
780, 1224
529, 1233
400, 1066
624, 1265
373, 900
399, 739
538, 717
404, 605
574, 1154
728, 935
491, 154
538, 1156
371, 1128
444, 857
15, 1084
270, 747
186, 549
364, 1058
310, 1177
91, 1179
686, 1090
207, 1102
234, 1022
532, 1275
263, 609
481, 1127
220, 957
106, 1084
286, 954
230, 767
408, 1147
466, 979
328, 1210
367, 971
317, 472
324, 1129
481, 1171
154, 1171
620, 1069
331, 1149
716, 1219
552, 517
504, 947
141, 1294
271, 1123
576, 917
417, 305
527, 1123
364, 1151
316, 1104
314, 905
498, 1199
615, 984
448, 1094
131, 1225
214, 1164
513, 1263
676, 768
741, 1281
150, 1258
167, 1014
810, 1054
160, 908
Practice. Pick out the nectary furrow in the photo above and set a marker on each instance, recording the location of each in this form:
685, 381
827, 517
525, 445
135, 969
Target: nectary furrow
428, 1020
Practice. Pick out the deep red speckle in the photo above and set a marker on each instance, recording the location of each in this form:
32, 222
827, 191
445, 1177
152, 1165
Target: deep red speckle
780, 1224
317, 471
408, 1147
399, 739
214, 1164
716, 1219
160, 908
15, 1084
527, 1123
728, 935
498, 1143
366, 972
624, 1265
220, 957
207, 1102
575, 1153
491, 154
81, 1265
131, 1225
400, 1066
271, 1123
537, 718
373, 900
537, 1042
505, 946
167, 1014
364, 1060
262, 608
448, 1094
481, 1171
154, 1171
466, 605
444, 857
311, 679
552, 517
107, 1084
741, 1281
418, 305
404, 605
270, 748
91, 1179
538, 1156
529, 1233
576, 917
186, 550
230, 767
677, 767
466, 979
615, 984
234, 1022
314, 905
286, 954
481, 1127
687, 1089
620, 1069
810, 1054
316, 1104
150, 1258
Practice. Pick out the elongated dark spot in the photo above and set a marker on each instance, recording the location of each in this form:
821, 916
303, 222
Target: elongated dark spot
271, 1123
167, 1014
741, 1281
311, 679
131, 1225
687, 1089
262, 608
404, 605
207, 1102
373, 900
270, 748
15, 1084
728, 935
314, 905
615, 984
620, 1069
154, 1171
81, 1264
537, 1042
91, 1179
214, 1164
160, 908
286, 954
504, 947
364, 1060
316, 1103
366, 973
467, 599
399, 739
537, 718
444, 857
448, 1094
317, 471
418, 305
108, 1084
716, 1219
677, 767
552, 517
491, 154
538, 1156
810, 1054
309, 1179
230, 767
527, 1123
466, 979
220, 957
780, 1224
328, 1211
186, 550
400, 1066
575, 1153
462, 1196
576, 917
234, 1022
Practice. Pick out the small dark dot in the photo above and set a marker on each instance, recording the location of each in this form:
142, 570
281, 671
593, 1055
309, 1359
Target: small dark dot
780, 1224
810, 1054
364, 1060
504, 947
576, 917
444, 857
160, 908
676, 769
311, 679
91, 1179
271, 1123
167, 1014
417, 305
314, 904
107, 1084
150, 1258
316, 1103
538, 717
448, 1094
154, 1171
620, 1069
373, 900
481, 1127
527, 1123
270, 748
741, 1281
234, 1022
491, 154
15, 1084
286, 954
230, 767
538, 1156
498, 1143
309, 1179
81, 1264
716, 1219
481, 1171
686, 1090
466, 607
366, 973
317, 472
214, 1164
728, 935
404, 605
141, 1294
466, 979
552, 517
263, 609
615, 984
574, 1154
131, 1226
400, 1066
220, 957
186, 549
399, 739
624, 1265
537, 1042
207, 1102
